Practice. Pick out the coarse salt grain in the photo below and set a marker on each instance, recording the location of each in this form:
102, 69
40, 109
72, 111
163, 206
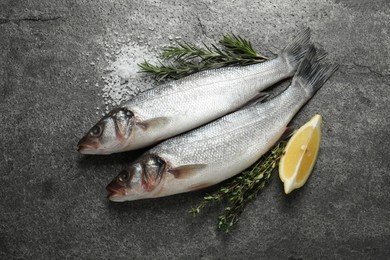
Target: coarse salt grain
123, 80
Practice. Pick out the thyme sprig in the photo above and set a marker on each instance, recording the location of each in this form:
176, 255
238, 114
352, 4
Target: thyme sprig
243, 188
187, 58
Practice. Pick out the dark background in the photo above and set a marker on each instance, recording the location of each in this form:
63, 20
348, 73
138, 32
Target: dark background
53, 202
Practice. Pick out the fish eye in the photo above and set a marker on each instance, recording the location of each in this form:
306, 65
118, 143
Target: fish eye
123, 176
96, 131
160, 162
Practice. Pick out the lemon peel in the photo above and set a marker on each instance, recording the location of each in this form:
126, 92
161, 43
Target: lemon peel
300, 155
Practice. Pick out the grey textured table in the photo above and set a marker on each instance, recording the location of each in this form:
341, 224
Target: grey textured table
53, 202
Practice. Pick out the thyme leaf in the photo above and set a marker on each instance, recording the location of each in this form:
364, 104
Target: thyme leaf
243, 188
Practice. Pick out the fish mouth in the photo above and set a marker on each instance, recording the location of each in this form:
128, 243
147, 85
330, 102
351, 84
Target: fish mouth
115, 192
115, 198
87, 148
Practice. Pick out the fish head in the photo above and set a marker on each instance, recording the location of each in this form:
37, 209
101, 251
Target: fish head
110, 134
139, 181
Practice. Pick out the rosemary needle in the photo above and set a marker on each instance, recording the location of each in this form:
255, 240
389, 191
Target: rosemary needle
186, 58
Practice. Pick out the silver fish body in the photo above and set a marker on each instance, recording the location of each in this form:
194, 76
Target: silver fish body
225, 147
185, 104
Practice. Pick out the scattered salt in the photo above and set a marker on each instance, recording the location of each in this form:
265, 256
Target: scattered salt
123, 80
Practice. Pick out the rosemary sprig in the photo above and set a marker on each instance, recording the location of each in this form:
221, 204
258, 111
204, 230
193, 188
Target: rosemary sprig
243, 188
170, 70
186, 58
241, 47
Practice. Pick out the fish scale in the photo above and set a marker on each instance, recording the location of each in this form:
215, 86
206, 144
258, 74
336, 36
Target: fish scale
188, 107
234, 142
243, 132
256, 74
230, 128
203, 91
225, 147
182, 105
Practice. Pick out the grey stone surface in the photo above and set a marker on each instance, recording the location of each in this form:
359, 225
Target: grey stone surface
53, 203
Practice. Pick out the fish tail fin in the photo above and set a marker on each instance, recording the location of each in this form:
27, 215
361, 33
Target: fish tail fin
311, 75
295, 51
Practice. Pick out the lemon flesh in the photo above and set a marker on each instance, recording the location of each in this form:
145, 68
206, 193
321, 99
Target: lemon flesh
300, 155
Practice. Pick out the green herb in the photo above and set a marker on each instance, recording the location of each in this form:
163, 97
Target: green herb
243, 188
186, 58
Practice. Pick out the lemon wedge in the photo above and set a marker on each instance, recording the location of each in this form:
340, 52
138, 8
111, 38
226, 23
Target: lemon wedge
300, 155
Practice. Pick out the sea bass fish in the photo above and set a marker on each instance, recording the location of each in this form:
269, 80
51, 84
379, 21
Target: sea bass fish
221, 149
187, 103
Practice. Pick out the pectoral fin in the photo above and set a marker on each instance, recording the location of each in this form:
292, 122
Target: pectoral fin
186, 171
259, 97
153, 122
287, 133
